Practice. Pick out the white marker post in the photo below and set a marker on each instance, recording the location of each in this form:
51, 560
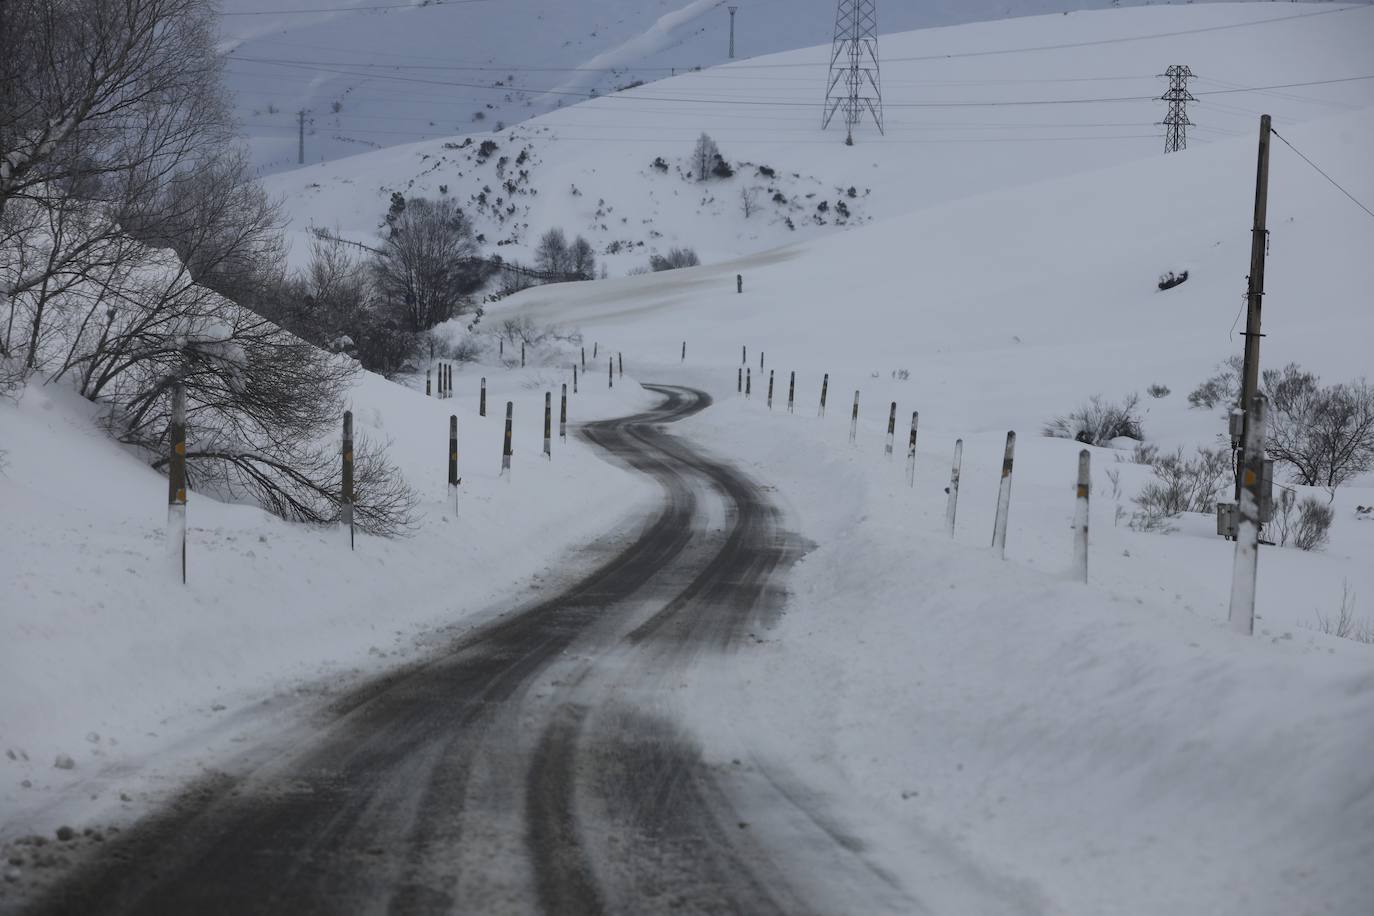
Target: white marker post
999, 527
911, 450
1246, 570
1080, 516
952, 503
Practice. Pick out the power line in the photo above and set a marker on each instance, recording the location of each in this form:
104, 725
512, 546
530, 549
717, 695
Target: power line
746, 66
350, 9
782, 102
1314, 165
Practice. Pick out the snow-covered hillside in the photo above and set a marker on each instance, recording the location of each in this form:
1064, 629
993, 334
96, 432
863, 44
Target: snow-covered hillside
969, 109
387, 74
1102, 748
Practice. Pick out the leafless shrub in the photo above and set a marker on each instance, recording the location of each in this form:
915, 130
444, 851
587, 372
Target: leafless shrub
1158, 391
1313, 528
1222, 388
1099, 422
1344, 624
1181, 485
675, 259
1283, 521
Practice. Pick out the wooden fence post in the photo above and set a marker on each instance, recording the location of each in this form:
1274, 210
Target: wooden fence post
427, 394
760, 361
952, 503
610, 373
584, 360
770, 389
739, 381
548, 425
1246, 567
522, 354
748, 383
911, 451
176, 481
506, 448
620, 357
891, 429
1080, 515
744, 355
574, 378
595, 348
854, 420
482, 403
999, 526
684, 351
792, 393
825, 389
563, 416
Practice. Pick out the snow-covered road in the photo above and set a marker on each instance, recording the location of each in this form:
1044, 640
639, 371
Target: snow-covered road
536, 766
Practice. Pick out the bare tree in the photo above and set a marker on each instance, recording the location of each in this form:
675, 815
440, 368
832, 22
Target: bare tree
1325, 433
582, 259
428, 263
552, 255
749, 201
705, 155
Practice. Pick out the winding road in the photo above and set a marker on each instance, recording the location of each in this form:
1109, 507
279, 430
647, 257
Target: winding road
532, 767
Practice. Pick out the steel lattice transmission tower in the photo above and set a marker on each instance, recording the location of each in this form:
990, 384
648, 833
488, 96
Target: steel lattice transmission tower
1176, 123
855, 84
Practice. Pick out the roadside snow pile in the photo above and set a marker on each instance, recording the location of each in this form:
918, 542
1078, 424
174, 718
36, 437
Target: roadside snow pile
117, 668
968, 109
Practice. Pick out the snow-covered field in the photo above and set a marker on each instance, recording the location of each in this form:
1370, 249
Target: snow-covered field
967, 111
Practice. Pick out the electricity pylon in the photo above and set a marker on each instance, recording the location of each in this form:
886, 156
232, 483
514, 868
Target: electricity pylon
855, 84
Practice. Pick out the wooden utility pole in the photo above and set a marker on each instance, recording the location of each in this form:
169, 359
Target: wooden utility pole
1254, 298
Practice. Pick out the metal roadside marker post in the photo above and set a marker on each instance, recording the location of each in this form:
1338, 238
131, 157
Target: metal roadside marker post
792, 393
482, 404
563, 416
453, 459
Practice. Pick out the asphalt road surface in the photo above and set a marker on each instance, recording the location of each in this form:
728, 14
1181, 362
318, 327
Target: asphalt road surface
531, 768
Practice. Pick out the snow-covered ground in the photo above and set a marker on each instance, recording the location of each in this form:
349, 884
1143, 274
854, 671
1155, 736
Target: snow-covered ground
966, 112
140, 681
1077, 744
387, 74
1109, 748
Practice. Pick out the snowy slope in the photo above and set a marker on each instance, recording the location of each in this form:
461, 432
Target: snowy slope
141, 681
989, 724
964, 115
408, 71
